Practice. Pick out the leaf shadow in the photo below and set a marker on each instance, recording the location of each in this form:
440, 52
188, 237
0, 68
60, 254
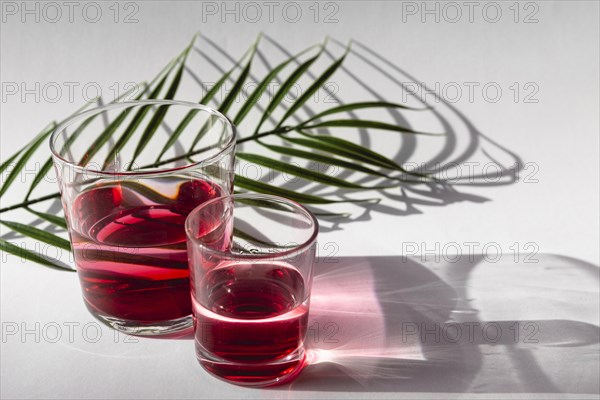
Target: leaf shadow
425, 194
407, 199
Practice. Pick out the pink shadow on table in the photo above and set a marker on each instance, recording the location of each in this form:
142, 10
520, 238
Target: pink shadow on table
408, 325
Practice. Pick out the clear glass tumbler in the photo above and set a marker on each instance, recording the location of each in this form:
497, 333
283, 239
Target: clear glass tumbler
129, 174
251, 265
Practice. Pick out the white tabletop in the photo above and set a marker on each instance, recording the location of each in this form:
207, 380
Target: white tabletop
533, 310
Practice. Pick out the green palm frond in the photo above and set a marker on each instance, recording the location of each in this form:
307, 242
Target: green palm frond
297, 143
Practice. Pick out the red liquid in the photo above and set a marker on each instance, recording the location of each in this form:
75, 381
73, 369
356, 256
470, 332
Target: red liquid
253, 322
130, 249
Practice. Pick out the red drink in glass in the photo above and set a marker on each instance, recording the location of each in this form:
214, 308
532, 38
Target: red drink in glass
251, 264
129, 173
255, 314
131, 251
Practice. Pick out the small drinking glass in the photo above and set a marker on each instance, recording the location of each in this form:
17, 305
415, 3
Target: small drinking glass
129, 174
251, 265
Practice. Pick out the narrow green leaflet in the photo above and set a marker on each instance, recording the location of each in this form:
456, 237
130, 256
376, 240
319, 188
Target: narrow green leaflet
262, 203
361, 123
358, 106
190, 115
39, 176
6, 163
337, 150
262, 187
212, 120
228, 101
316, 85
176, 133
136, 121
112, 127
343, 145
264, 84
89, 120
239, 83
159, 116
48, 164
303, 173
217, 86
53, 219
331, 215
309, 155
145, 122
38, 234
105, 135
26, 156
31, 256
286, 86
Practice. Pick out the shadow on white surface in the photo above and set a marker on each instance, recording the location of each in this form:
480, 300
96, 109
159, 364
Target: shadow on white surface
445, 156
395, 324
462, 157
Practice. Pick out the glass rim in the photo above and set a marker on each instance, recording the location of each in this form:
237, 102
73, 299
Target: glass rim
124, 104
268, 197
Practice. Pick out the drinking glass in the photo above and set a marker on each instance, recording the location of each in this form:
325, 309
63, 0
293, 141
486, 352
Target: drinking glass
129, 174
251, 265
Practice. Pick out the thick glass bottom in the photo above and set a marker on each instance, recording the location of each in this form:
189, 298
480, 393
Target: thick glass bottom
254, 374
175, 327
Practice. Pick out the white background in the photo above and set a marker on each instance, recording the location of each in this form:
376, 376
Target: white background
558, 134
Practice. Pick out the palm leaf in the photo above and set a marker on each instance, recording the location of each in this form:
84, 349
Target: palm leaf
39, 176
286, 86
261, 187
159, 116
105, 135
361, 123
38, 234
358, 106
336, 150
67, 145
113, 126
190, 115
228, 101
316, 85
239, 83
76, 133
217, 86
308, 155
31, 256
135, 122
357, 151
324, 149
262, 86
6, 163
48, 164
41, 138
53, 219
303, 173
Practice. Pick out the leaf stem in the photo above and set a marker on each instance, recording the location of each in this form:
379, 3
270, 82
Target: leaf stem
29, 202
283, 129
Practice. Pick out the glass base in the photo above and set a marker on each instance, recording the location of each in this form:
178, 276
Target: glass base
170, 328
254, 374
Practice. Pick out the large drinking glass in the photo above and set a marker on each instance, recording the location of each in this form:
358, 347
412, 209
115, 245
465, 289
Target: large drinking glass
251, 262
129, 174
